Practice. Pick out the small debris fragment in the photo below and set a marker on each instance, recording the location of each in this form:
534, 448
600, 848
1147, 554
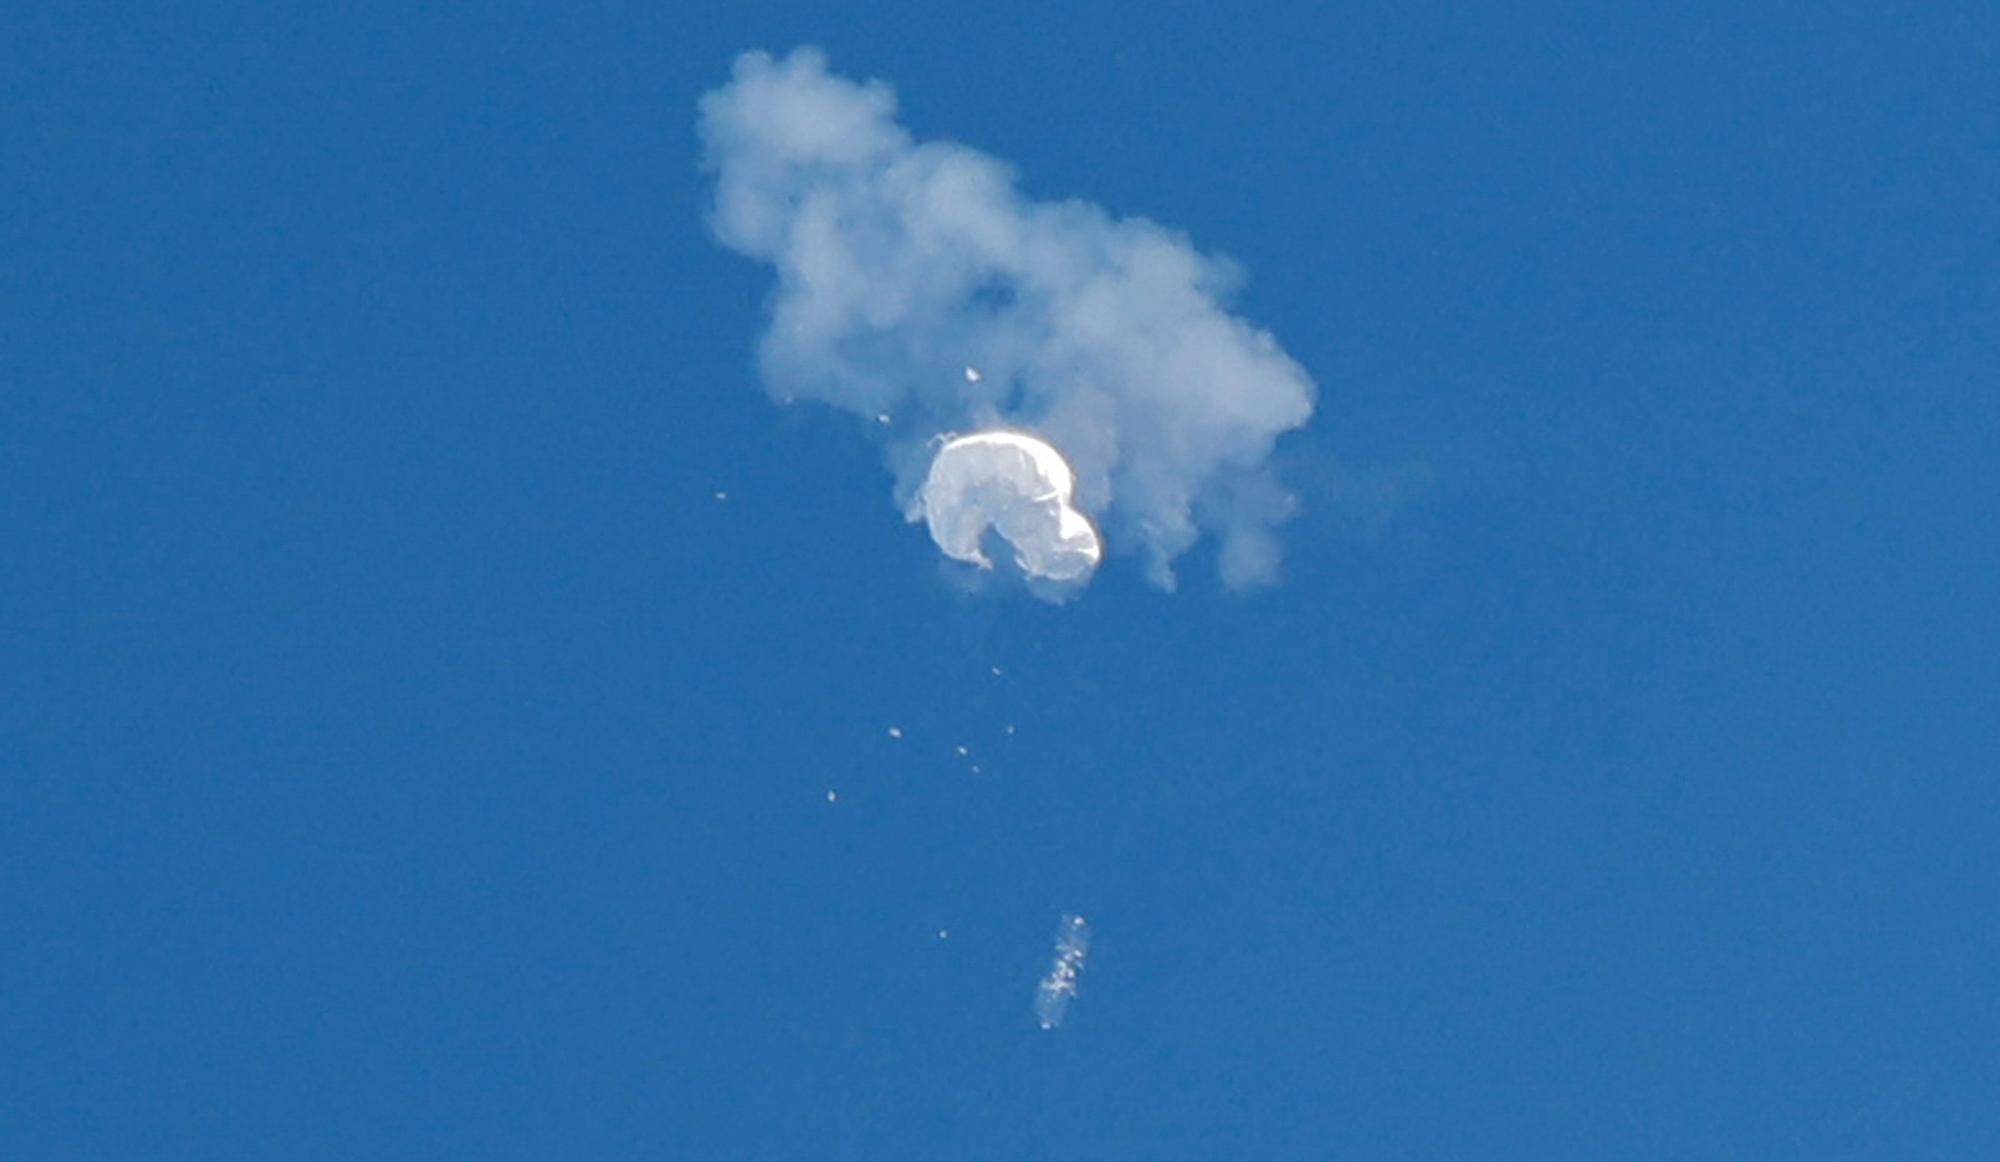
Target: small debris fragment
1058, 988
895, 732
720, 495
972, 375
962, 752
831, 796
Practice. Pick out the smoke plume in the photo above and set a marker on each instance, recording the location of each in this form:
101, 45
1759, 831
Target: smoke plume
902, 265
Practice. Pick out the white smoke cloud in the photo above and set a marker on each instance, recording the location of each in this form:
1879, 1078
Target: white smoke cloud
900, 263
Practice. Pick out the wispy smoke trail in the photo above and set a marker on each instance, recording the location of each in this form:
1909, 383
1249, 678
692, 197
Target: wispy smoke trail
900, 263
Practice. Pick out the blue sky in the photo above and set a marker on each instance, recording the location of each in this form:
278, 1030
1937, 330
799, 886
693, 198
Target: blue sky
405, 755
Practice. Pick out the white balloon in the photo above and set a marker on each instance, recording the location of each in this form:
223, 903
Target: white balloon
1020, 487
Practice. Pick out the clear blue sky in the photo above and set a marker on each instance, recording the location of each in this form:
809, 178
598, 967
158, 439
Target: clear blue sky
403, 754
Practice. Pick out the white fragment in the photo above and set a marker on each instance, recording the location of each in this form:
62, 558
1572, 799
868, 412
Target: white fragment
1058, 988
972, 375
895, 732
721, 495
962, 752
1010, 728
944, 934
831, 796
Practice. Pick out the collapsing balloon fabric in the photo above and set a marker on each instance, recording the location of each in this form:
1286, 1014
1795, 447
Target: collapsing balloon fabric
1104, 353
1017, 486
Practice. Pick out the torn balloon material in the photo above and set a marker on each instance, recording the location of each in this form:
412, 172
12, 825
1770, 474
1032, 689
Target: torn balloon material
1014, 485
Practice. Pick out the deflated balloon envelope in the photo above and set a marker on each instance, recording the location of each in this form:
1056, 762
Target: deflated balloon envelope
1018, 486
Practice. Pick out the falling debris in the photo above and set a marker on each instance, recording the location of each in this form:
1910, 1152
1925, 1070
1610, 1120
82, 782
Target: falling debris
962, 752
1058, 988
832, 797
722, 496
1010, 728
972, 375
1018, 486
975, 768
881, 417
944, 934
895, 732
996, 671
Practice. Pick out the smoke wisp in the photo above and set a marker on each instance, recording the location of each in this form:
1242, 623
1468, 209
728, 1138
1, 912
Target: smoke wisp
899, 263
